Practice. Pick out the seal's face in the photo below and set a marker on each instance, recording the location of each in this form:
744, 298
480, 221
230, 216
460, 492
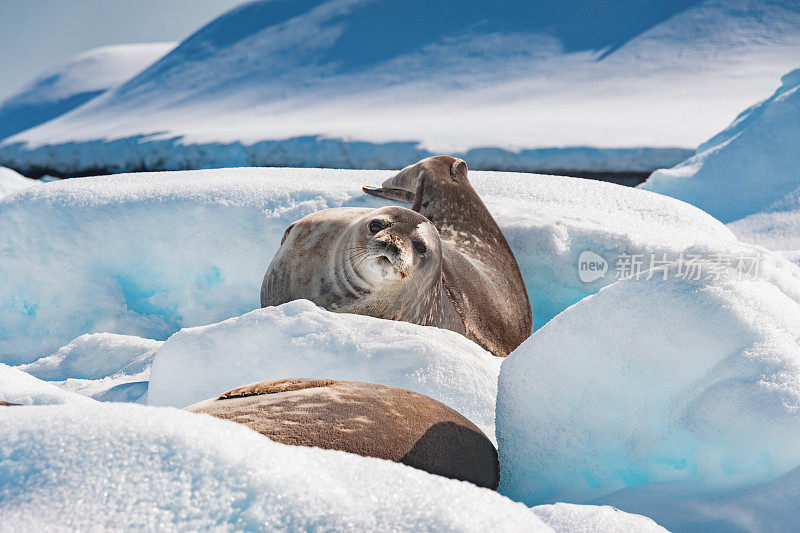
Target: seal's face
396, 244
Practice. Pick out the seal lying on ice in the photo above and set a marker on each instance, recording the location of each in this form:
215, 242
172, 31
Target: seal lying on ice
365, 419
442, 263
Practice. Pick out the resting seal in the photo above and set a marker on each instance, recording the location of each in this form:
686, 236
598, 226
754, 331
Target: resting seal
365, 419
442, 263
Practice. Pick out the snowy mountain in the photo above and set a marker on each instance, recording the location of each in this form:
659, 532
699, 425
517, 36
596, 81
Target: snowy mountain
380, 83
74, 83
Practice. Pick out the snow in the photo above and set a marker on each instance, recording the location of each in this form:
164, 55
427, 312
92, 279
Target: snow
148, 254
88, 465
116, 466
750, 167
20, 387
75, 82
312, 83
93, 356
11, 181
662, 394
565, 517
671, 398
747, 175
299, 339
103, 366
769, 506
696, 391
776, 230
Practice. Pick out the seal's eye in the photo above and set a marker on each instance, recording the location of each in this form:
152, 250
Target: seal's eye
420, 247
375, 226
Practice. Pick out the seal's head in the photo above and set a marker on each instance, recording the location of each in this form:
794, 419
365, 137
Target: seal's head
398, 243
389, 256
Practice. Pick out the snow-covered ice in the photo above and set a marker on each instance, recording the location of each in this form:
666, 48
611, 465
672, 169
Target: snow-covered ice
734, 424
20, 387
93, 356
659, 385
764, 507
312, 84
148, 254
565, 518
103, 366
750, 167
649, 391
126, 466
89, 465
672, 394
776, 230
301, 340
11, 181
748, 175
114, 466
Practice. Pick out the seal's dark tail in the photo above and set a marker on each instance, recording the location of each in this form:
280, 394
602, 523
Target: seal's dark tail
398, 195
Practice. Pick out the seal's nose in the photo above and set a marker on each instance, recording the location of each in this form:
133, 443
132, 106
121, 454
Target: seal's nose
394, 246
391, 244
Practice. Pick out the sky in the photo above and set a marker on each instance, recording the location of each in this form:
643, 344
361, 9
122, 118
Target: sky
36, 35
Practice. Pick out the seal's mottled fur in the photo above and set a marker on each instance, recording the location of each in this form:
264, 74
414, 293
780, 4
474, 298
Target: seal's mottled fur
363, 418
443, 263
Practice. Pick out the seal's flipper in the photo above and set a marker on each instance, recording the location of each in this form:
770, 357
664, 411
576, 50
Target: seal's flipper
398, 195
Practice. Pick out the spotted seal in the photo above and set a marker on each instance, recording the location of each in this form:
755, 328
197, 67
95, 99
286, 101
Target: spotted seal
442, 263
366, 419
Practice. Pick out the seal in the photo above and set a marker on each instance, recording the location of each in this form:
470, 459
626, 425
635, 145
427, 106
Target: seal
366, 419
443, 263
